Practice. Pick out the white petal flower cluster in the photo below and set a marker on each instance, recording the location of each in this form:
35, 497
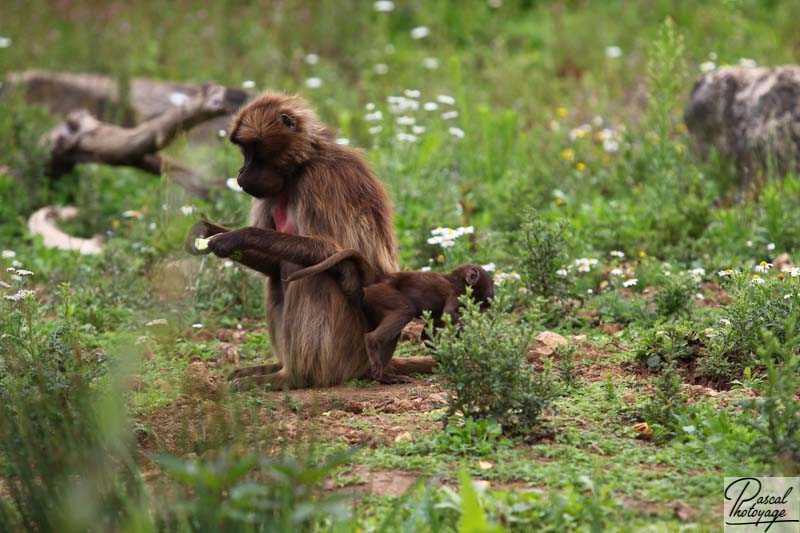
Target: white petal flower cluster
19, 295
697, 274
585, 264
402, 104
502, 277
446, 237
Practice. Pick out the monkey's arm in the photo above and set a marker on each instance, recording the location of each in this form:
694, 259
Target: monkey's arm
304, 251
451, 307
251, 258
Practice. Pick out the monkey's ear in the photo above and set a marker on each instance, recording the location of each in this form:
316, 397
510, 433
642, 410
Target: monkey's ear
472, 276
288, 121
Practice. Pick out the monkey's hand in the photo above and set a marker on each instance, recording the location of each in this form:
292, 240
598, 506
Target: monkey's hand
200, 231
226, 244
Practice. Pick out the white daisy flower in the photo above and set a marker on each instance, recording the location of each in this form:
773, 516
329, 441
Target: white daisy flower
430, 63
420, 32
383, 6
458, 133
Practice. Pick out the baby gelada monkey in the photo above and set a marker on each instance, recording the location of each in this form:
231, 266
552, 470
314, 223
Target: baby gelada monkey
391, 301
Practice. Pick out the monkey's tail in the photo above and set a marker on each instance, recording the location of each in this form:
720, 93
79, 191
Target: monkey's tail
365, 270
405, 366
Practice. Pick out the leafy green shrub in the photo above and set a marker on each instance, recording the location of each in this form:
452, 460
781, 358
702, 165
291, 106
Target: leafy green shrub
666, 401
612, 306
704, 427
565, 364
545, 251
775, 415
674, 297
60, 437
664, 343
471, 437
758, 303
481, 363
578, 506
251, 493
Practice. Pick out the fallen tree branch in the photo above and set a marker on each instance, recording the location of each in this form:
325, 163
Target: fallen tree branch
43, 222
82, 138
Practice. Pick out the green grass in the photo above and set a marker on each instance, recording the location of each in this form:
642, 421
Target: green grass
592, 145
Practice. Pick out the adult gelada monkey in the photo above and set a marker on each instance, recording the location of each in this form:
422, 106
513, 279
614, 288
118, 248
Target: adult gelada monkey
311, 198
392, 300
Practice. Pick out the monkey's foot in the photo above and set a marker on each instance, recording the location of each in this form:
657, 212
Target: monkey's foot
275, 381
393, 379
255, 370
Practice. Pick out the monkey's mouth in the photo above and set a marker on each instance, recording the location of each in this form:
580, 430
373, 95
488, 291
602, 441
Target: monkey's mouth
280, 217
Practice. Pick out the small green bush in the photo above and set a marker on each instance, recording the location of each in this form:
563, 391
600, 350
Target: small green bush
482, 364
666, 401
674, 297
666, 342
775, 415
545, 251
758, 304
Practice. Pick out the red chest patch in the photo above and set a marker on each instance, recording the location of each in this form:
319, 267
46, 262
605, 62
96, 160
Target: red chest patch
280, 215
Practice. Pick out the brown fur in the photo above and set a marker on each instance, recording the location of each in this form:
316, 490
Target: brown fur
391, 301
331, 201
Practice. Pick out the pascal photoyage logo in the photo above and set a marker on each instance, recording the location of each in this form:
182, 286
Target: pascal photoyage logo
762, 504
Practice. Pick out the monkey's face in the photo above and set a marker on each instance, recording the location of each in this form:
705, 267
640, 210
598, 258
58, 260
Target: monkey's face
257, 177
274, 144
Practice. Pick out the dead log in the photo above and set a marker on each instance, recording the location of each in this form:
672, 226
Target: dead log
43, 222
82, 138
64, 92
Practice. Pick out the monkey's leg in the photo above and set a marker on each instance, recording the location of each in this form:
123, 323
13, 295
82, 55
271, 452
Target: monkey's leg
304, 251
387, 378
382, 341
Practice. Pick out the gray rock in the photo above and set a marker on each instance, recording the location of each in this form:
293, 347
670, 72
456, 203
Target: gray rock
750, 115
